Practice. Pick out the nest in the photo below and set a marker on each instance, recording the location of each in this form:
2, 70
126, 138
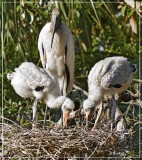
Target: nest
55, 143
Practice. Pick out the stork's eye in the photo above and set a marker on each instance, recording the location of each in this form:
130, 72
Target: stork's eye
67, 109
87, 110
132, 65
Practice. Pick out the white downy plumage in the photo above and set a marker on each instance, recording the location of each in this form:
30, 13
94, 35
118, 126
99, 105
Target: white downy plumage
56, 48
28, 81
109, 76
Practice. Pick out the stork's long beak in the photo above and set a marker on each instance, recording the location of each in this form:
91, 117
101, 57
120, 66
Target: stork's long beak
66, 117
54, 26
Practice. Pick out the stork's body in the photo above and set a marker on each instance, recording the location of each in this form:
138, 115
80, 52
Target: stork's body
28, 81
109, 76
56, 50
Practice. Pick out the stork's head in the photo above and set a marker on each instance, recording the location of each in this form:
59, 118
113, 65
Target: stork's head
88, 107
67, 107
133, 67
55, 22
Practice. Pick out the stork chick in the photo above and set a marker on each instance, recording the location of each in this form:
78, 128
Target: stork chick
56, 48
29, 80
109, 76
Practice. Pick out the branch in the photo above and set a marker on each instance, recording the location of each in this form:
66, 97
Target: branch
76, 87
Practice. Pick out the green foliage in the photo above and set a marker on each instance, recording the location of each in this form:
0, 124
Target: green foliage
92, 24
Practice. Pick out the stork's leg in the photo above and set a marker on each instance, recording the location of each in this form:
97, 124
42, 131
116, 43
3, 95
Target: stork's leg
113, 110
98, 116
81, 106
80, 119
45, 115
88, 117
62, 117
34, 125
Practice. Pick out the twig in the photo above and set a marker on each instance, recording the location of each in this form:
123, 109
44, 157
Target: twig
12, 122
45, 115
76, 87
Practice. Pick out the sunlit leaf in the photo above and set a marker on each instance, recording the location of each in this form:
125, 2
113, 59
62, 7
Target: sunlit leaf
130, 12
84, 46
123, 9
31, 15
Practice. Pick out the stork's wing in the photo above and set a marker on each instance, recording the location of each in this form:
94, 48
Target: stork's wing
43, 43
70, 58
34, 76
117, 77
41, 51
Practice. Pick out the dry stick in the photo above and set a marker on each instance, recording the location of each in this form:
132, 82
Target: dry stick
6, 125
97, 147
137, 80
47, 153
45, 115
63, 146
76, 87
12, 122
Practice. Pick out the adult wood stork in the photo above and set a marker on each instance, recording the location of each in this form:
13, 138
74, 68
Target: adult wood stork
56, 48
109, 76
29, 80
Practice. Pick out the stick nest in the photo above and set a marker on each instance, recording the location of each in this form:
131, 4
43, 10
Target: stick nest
56, 143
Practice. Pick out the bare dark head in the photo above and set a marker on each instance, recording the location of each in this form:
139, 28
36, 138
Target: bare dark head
55, 22
56, 11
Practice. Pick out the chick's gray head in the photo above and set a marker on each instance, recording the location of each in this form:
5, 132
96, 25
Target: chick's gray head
133, 67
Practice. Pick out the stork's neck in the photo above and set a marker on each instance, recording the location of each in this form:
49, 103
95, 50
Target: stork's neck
95, 95
54, 101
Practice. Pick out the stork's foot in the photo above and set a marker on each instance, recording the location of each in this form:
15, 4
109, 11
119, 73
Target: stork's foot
86, 128
94, 128
112, 127
34, 127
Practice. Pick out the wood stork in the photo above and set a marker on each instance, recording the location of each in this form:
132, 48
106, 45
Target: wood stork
56, 48
109, 76
29, 80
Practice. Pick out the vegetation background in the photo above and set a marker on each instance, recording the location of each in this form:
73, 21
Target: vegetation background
100, 29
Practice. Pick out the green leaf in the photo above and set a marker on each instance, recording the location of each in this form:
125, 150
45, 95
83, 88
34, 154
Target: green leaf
130, 12
31, 15
84, 46
123, 9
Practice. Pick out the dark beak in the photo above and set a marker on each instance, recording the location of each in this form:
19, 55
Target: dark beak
55, 24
